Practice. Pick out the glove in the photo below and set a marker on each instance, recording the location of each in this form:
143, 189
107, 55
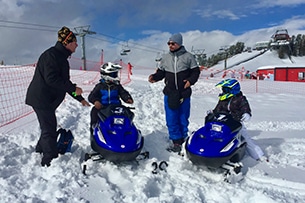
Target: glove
129, 101
209, 112
97, 105
245, 117
151, 79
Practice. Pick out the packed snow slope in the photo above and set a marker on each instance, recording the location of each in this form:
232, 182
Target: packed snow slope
277, 126
266, 58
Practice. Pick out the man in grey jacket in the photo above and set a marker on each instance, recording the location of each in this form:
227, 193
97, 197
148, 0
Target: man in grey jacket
179, 70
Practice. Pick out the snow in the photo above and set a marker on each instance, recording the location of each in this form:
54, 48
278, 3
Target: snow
264, 60
277, 126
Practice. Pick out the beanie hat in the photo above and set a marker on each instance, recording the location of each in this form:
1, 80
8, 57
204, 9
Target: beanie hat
176, 38
66, 36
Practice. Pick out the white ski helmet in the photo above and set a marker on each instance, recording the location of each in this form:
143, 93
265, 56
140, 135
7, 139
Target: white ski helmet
109, 71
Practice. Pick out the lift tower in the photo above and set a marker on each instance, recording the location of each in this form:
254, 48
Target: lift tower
82, 31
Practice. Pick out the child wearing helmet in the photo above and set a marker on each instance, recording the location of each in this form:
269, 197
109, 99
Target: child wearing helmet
232, 101
107, 91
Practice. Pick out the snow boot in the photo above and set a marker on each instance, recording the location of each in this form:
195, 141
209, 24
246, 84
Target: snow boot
174, 148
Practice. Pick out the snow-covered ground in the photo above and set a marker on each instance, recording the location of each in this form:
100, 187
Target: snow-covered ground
268, 58
277, 126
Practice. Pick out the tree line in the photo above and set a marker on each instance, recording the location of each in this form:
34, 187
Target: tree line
297, 45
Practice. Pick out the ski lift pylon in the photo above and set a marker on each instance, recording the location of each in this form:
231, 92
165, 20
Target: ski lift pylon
280, 38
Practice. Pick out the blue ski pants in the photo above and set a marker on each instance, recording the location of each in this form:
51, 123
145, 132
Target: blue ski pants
177, 120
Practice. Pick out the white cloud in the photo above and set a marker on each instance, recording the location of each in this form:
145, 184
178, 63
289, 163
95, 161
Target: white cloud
221, 13
225, 14
283, 3
9, 10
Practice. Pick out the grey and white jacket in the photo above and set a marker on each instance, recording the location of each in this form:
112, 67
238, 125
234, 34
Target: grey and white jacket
176, 67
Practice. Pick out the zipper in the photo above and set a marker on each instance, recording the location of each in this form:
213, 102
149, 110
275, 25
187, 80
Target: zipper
109, 99
175, 67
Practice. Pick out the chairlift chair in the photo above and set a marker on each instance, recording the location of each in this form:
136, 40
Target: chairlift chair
125, 50
123, 53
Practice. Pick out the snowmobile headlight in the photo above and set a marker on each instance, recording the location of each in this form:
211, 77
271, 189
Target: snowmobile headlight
228, 147
216, 127
118, 121
101, 136
139, 137
190, 138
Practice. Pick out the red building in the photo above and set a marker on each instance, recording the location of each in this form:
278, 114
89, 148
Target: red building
282, 73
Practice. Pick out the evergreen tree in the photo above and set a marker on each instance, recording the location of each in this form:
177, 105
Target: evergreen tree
298, 44
302, 46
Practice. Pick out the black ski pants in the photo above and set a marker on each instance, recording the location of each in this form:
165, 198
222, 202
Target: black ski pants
47, 143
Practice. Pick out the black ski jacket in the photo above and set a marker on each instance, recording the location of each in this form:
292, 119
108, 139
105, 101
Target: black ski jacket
236, 106
51, 80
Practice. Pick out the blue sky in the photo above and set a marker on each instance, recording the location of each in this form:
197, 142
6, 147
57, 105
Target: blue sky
144, 25
235, 16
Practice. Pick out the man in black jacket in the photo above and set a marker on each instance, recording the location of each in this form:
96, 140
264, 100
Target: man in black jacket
50, 83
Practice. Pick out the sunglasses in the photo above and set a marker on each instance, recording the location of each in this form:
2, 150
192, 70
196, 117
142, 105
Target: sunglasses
171, 43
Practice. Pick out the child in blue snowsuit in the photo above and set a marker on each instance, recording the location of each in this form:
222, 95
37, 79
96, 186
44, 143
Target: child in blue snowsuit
107, 91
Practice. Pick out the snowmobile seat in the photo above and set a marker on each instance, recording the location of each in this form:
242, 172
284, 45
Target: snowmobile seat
115, 109
226, 120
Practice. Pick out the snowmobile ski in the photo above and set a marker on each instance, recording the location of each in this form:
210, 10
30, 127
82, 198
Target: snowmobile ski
97, 157
233, 172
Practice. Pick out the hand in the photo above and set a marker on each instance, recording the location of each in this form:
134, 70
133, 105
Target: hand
78, 91
85, 103
187, 84
151, 79
97, 105
245, 117
129, 101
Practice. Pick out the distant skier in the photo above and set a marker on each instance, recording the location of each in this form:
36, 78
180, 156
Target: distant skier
129, 67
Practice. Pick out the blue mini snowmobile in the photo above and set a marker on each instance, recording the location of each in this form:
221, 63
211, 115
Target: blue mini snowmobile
218, 144
115, 137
